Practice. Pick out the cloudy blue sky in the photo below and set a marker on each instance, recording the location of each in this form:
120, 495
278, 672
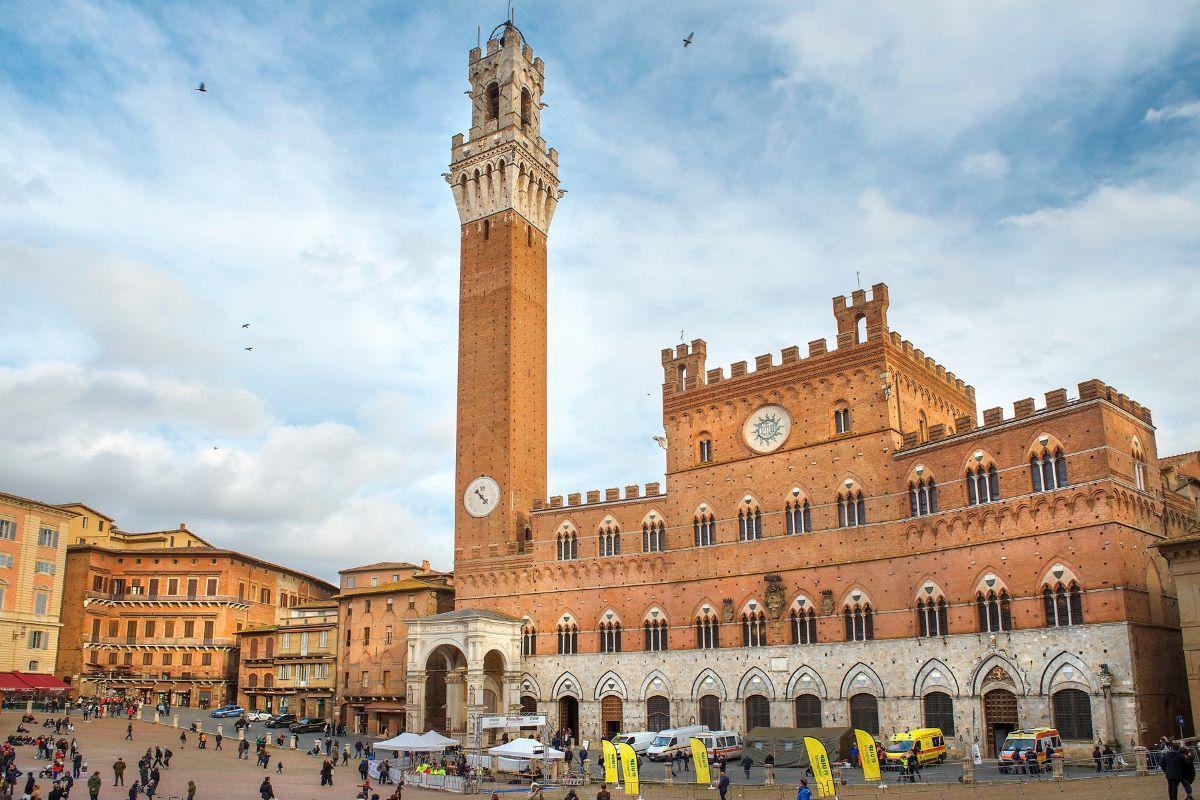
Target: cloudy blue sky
1025, 177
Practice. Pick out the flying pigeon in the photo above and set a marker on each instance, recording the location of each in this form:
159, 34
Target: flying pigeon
248, 349
245, 324
686, 41
201, 88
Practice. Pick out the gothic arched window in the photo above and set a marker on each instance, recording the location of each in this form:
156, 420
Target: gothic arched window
983, 485
804, 626
654, 537
704, 530
995, 613
1063, 604
754, 629
798, 516
860, 622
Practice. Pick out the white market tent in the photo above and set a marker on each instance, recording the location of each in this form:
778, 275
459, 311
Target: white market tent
405, 741
526, 749
428, 742
432, 740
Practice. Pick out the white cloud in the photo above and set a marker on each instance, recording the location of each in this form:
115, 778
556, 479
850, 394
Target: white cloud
991, 164
1188, 110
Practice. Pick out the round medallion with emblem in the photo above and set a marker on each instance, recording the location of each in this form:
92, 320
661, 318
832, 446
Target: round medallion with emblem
482, 496
767, 428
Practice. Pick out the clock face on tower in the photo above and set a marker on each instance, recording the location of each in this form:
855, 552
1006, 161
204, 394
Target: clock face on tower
481, 497
767, 428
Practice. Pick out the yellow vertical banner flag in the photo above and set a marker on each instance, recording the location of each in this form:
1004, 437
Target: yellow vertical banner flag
868, 754
818, 759
629, 771
700, 759
609, 751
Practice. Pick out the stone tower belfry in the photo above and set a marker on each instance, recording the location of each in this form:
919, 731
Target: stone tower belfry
505, 184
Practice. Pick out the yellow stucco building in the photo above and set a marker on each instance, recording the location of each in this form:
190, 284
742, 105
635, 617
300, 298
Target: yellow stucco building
33, 557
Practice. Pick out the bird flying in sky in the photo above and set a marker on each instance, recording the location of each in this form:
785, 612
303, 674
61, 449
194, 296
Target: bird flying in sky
245, 324
201, 88
686, 42
248, 349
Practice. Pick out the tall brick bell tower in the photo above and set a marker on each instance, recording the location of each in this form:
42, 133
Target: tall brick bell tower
505, 183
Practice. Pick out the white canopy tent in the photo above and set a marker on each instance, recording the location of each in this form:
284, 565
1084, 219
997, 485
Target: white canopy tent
432, 740
428, 742
405, 741
526, 749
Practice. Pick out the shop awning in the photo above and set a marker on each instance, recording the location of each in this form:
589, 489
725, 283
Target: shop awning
11, 682
43, 682
393, 707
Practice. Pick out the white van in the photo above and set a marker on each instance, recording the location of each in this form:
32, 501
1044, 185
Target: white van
722, 743
672, 740
638, 740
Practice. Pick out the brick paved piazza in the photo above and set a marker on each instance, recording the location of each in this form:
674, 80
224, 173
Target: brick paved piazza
219, 775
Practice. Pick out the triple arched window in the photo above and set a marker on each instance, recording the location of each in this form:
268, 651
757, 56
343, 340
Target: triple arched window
654, 537
749, 524
932, 616
568, 545
528, 640
804, 626
568, 638
860, 622
983, 485
1048, 471
852, 510
994, 610
1063, 604
798, 516
708, 632
610, 540
655, 635
610, 637
704, 530
922, 497
754, 629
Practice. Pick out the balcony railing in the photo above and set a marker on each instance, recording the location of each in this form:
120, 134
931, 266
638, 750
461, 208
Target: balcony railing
143, 597
173, 641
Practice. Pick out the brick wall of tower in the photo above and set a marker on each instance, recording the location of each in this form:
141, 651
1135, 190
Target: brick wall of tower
501, 378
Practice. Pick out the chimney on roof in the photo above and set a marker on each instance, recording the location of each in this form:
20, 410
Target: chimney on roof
183, 526
425, 566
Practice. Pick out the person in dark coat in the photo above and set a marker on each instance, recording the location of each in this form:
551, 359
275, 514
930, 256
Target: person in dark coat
265, 790
1098, 757
327, 773
746, 763
1177, 768
723, 785
1109, 755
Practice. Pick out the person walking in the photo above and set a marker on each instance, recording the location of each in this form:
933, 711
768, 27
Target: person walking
129, 732
746, 762
119, 772
133, 791
93, 785
219, 738
327, 773
76, 764
182, 739
1098, 757
1178, 768
803, 792
723, 785
191, 790
363, 767
1109, 755
265, 790
600, 795
167, 758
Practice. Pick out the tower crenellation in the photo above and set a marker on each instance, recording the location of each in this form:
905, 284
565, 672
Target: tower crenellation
504, 163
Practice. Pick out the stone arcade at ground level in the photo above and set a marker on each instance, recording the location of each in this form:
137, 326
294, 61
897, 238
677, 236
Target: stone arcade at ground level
970, 685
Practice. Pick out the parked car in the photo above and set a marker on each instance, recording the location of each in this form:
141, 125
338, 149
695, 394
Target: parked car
281, 721
228, 711
307, 725
258, 716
